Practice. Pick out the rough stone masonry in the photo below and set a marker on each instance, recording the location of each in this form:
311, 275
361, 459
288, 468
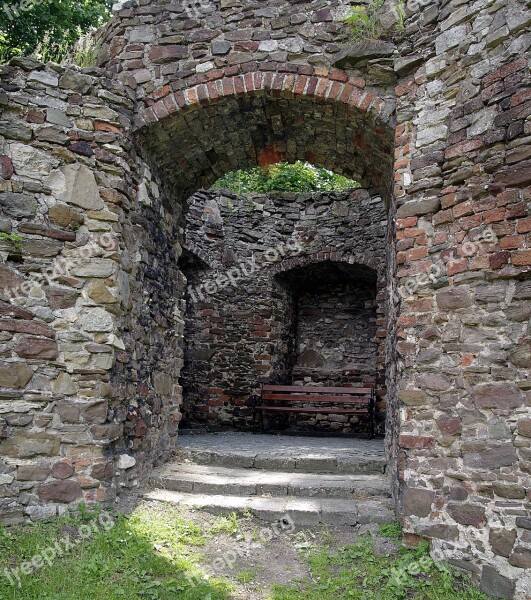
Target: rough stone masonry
96, 166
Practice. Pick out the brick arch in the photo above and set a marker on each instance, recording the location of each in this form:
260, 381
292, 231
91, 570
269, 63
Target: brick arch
306, 260
232, 118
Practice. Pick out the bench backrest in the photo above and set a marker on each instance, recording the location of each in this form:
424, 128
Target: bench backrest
300, 393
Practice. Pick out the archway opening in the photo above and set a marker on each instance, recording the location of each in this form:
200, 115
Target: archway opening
235, 334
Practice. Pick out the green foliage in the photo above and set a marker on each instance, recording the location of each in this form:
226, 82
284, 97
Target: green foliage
357, 571
393, 531
365, 21
150, 554
48, 28
401, 13
284, 177
14, 238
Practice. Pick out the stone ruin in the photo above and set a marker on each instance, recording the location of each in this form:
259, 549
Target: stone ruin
101, 229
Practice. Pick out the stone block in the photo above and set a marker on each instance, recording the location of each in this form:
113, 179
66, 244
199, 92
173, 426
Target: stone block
29, 444
14, 374
37, 348
453, 298
521, 557
478, 455
60, 491
18, 205
502, 395
502, 541
78, 186
418, 501
467, 514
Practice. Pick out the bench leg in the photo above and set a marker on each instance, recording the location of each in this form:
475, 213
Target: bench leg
372, 405
262, 421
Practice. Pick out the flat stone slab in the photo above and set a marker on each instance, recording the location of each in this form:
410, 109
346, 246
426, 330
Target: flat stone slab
303, 511
286, 453
208, 479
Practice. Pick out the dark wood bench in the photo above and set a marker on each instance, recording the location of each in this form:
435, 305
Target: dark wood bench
298, 399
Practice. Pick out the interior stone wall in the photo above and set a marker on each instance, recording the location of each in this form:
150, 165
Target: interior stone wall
244, 258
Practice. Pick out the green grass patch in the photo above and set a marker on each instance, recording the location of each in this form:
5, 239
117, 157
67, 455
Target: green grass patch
356, 571
152, 554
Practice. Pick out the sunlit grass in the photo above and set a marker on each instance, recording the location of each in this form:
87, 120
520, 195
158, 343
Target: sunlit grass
356, 571
152, 553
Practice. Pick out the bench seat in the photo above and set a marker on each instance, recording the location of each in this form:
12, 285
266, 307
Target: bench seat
336, 400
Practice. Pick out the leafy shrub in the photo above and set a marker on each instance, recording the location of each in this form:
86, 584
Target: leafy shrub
48, 28
284, 177
365, 22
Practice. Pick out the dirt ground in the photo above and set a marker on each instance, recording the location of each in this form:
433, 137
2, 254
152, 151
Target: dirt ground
259, 554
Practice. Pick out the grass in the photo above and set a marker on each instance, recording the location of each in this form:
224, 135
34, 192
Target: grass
151, 554
356, 571
154, 553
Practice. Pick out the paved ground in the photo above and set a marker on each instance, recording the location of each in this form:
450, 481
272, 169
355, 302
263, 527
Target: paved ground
293, 447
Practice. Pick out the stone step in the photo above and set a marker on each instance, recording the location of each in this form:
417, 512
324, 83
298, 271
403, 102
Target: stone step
303, 462
207, 479
302, 511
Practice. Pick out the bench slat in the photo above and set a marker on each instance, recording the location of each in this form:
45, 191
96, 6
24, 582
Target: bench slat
315, 390
309, 398
301, 409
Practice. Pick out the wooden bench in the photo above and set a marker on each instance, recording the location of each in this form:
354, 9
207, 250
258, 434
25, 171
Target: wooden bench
298, 399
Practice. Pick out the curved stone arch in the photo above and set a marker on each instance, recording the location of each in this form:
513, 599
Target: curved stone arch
306, 260
291, 80
235, 119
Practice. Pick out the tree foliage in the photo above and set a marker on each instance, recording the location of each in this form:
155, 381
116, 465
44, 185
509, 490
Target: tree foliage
284, 177
47, 27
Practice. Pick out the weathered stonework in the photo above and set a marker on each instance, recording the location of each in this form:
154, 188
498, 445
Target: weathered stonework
95, 169
282, 288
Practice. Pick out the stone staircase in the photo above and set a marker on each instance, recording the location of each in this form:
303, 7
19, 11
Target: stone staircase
314, 480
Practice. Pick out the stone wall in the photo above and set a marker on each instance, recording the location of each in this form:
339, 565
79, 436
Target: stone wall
89, 337
250, 263
463, 341
183, 98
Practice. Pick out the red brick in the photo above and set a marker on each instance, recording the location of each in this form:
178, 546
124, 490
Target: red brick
524, 225
358, 82
416, 441
335, 90
522, 258
456, 266
191, 96
498, 259
160, 110
6, 167
322, 86
463, 148
239, 88
507, 69
492, 216
336, 75
512, 242
443, 216
300, 84
161, 92
249, 82
407, 222
228, 86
